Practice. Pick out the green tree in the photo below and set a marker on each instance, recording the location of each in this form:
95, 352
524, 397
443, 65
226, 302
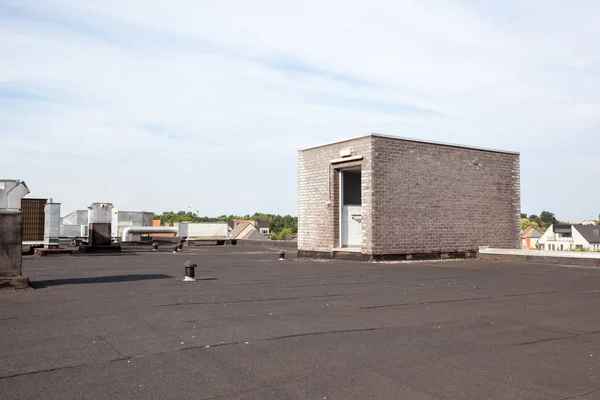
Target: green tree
169, 217
534, 218
526, 223
548, 218
285, 232
523, 215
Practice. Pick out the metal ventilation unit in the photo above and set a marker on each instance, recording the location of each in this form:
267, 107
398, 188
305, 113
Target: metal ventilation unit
52, 225
11, 236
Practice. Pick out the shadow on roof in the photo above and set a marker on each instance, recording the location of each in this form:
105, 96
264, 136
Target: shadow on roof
98, 279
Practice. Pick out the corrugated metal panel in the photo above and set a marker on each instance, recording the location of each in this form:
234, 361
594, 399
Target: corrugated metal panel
135, 218
32, 221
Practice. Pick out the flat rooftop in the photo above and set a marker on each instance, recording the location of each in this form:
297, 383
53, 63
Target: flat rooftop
126, 326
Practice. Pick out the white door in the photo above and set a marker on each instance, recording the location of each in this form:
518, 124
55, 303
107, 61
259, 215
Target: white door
350, 208
351, 226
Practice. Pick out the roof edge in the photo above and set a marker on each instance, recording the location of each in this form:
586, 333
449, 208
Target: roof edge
337, 142
413, 140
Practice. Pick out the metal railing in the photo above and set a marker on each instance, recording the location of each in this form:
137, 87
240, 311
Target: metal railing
558, 239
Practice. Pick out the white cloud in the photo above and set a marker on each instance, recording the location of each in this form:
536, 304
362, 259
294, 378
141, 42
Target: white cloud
187, 101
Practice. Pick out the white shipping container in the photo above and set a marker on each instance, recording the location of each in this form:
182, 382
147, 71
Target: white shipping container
204, 230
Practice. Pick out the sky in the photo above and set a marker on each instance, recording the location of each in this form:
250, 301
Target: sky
202, 105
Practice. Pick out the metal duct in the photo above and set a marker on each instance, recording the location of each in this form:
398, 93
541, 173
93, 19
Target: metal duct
52, 224
147, 229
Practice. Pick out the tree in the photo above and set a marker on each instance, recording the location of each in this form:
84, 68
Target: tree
534, 218
526, 223
285, 232
523, 215
169, 217
548, 218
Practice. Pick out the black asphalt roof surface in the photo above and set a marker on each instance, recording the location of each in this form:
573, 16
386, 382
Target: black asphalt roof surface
124, 327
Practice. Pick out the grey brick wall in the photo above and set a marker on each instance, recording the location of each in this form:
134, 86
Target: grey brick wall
417, 197
437, 198
318, 183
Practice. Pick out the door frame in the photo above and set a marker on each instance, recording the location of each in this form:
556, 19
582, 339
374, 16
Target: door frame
340, 205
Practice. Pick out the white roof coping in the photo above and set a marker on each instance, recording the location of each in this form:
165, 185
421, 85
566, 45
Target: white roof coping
412, 140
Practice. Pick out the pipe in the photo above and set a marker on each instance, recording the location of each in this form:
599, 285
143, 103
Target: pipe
146, 229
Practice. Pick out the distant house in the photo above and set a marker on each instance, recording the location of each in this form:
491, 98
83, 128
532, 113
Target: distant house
530, 238
246, 230
263, 227
571, 237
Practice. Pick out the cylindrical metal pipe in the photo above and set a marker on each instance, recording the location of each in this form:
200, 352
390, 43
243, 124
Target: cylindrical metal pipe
190, 271
146, 229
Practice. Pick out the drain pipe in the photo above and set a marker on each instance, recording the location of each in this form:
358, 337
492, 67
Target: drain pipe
146, 229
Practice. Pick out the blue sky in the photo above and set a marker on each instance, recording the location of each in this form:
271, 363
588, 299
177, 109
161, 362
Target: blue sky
206, 103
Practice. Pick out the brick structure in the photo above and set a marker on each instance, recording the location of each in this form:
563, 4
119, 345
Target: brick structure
419, 199
11, 236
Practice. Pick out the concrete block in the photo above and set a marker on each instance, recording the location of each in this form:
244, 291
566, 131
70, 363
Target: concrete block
10, 244
14, 282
